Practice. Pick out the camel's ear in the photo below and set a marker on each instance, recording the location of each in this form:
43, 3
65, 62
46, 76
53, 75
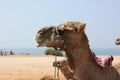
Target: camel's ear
81, 27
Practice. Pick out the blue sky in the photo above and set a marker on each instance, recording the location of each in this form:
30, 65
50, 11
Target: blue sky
20, 19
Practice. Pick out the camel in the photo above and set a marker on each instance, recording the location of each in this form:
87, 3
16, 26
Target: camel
117, 42
71, 37
67, 72
65, 69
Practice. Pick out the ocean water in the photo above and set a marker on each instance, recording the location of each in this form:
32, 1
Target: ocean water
106, 51
40, 51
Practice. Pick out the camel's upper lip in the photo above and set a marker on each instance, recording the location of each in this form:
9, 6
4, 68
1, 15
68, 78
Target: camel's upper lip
36, 37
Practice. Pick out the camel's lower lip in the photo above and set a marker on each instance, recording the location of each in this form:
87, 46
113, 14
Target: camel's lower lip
40, 45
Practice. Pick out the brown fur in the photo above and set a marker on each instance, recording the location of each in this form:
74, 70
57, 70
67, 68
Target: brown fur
79, 54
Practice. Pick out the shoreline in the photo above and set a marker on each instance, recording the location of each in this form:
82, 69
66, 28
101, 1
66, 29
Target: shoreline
40, 51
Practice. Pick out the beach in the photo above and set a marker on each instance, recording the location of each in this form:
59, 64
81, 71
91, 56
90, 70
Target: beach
30, 67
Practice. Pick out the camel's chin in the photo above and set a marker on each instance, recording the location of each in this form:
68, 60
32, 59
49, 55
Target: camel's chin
43, 45
40, 45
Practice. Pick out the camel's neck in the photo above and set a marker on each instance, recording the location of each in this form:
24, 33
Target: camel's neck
81, 59
80, 56
79, 52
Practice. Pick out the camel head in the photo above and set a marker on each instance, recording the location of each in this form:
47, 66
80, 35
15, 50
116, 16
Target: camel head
68, 33
59, 64
117, 42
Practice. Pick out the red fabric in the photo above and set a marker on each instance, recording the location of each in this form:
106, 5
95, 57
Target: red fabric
105, 62
108, 61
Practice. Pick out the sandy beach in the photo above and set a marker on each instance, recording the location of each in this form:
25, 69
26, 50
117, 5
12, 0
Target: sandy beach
26, 67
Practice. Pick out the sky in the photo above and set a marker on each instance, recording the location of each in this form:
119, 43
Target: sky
20, 20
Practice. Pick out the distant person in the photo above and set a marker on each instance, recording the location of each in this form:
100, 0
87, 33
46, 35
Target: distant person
1, 53
11, 52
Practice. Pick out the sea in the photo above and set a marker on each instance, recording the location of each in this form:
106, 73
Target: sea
41, 51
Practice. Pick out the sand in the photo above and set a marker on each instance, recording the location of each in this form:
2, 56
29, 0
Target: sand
21, 67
